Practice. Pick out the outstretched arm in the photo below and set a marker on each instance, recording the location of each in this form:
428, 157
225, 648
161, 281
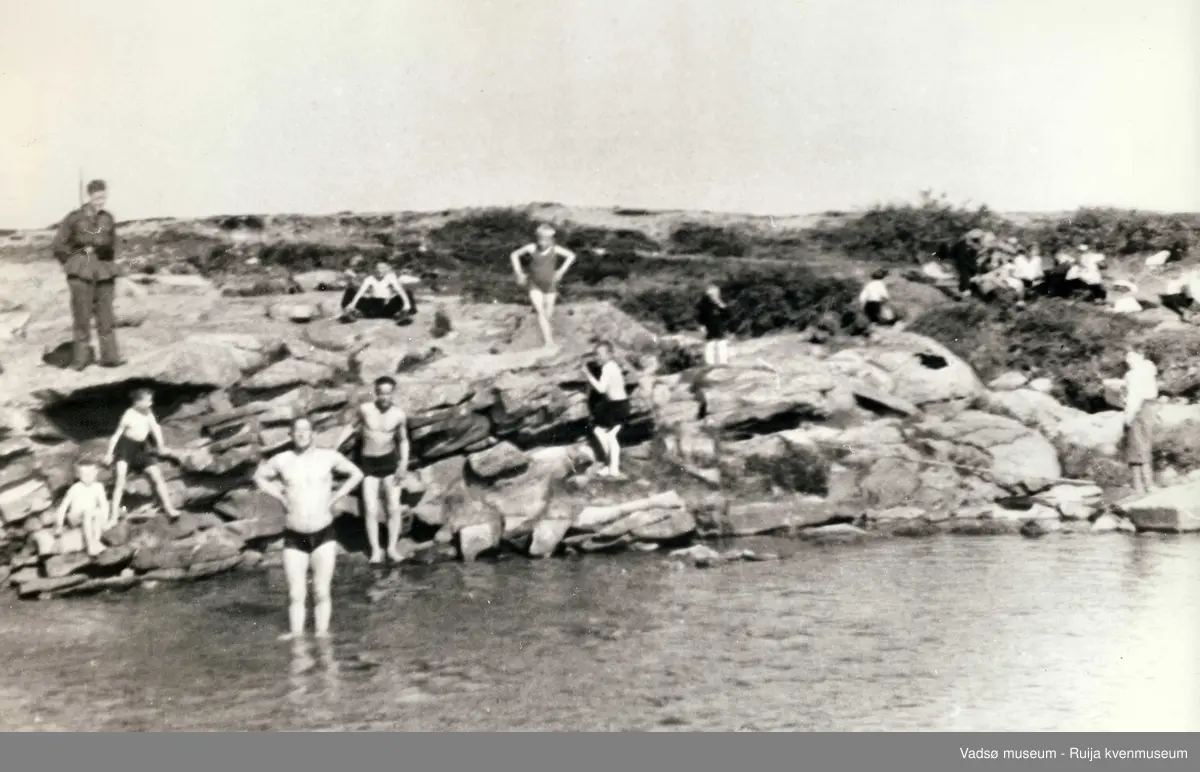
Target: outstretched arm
568, 261
362, 288
266, 477
402, 443
353, 475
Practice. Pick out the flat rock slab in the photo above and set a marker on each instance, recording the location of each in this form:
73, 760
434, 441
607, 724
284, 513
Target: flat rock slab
1169, 510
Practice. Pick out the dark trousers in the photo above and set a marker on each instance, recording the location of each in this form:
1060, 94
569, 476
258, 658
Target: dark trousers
377, 308
93, 299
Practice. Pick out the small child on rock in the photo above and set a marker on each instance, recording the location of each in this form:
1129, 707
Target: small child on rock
85, 504
130, 449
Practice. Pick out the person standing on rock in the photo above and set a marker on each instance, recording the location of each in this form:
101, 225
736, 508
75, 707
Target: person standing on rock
301, 479
130, 449
85, 245
611, 410
543, 276
1141, 392
382, 429
713, 315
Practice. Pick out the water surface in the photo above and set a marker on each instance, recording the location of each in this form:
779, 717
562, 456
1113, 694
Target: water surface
1062, 633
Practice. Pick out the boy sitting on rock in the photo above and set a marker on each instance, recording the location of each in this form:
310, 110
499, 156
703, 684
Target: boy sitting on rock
85, 504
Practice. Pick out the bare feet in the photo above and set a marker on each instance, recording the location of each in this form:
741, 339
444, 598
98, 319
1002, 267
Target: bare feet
395, 556
288, 637
321, 635
376, 557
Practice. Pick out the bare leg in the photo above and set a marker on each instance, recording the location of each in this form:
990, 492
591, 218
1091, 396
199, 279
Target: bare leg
601, 435
370, 492
160, 487
295, 567
722, 352
122, 472
324, 558
710, 352
614, 452
539, 300
91, 532
391, 493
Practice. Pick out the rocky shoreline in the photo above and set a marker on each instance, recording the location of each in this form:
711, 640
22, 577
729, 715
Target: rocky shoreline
894, 436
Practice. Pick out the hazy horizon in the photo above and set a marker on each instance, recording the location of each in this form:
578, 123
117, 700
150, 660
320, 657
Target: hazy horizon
775, 107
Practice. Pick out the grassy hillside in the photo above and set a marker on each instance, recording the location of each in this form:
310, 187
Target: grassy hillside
779, 273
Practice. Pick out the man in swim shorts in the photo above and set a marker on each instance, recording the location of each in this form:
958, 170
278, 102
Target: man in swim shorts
382, 428
301, 479
542, 276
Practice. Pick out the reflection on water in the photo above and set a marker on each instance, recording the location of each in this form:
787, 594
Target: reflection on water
1081, 633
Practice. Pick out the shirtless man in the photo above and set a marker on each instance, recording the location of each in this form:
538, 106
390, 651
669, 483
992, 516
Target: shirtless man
382, 428
302, 480
543, 276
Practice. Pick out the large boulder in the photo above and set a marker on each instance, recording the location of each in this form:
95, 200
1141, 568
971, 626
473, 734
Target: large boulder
1016, 457
1175, 509
288, 372
925, 372
742, 401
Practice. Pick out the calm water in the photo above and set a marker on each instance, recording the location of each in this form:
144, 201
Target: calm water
1081, 633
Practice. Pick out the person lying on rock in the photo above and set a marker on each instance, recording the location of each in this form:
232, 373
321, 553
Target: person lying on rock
301, 479
84, 505
380, 296
875, 300
1141, 393
713, 315
611, 410
382, 429
130, 449
543, 276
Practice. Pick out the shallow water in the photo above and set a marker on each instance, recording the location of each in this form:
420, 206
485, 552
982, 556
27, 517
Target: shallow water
1084, 633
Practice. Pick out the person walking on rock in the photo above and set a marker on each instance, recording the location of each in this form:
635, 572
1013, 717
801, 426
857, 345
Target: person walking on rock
85, 245
1141, 392
382, 428
543, 276
301, 479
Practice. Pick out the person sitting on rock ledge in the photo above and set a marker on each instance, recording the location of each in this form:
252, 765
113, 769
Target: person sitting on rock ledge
611, 409
130, 448
381, 296
85, 505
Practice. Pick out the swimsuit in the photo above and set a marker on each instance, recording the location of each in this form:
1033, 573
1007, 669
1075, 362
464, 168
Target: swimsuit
543, 265
610, 413
135, 453
379, 466
309, 542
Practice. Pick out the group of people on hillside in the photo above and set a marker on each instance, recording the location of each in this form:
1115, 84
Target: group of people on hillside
996, 269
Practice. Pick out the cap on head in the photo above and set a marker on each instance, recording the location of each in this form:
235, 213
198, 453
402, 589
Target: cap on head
96, 186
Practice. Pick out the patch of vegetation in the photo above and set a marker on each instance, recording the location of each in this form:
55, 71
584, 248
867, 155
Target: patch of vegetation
1080, 464
239, 222
1115, 231
692, 238
441, 325
1179, 448
674, 357
1077, 345
621, 240
800, 470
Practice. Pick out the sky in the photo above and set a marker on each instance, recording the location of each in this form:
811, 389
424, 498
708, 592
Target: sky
763, 106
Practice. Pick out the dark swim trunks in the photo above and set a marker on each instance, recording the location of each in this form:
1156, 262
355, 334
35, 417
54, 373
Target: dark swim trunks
609, 414
379, 466
135, 454
308, 542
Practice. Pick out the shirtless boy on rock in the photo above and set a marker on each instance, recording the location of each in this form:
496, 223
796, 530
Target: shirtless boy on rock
382, 428
302, 480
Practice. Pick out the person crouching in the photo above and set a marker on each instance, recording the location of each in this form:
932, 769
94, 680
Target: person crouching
875, 301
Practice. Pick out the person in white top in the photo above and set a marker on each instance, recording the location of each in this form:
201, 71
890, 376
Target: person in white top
1141, 392
381, 296
1086, 271
876, 301
611, 409
86, 505
1183, 294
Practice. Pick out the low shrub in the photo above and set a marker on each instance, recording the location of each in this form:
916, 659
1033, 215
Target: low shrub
801, 470
693, 238
675, 357
441, 325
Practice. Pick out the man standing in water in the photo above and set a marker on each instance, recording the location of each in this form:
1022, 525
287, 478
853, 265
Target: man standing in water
382, 428
85, 244
302, 480
543, 276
